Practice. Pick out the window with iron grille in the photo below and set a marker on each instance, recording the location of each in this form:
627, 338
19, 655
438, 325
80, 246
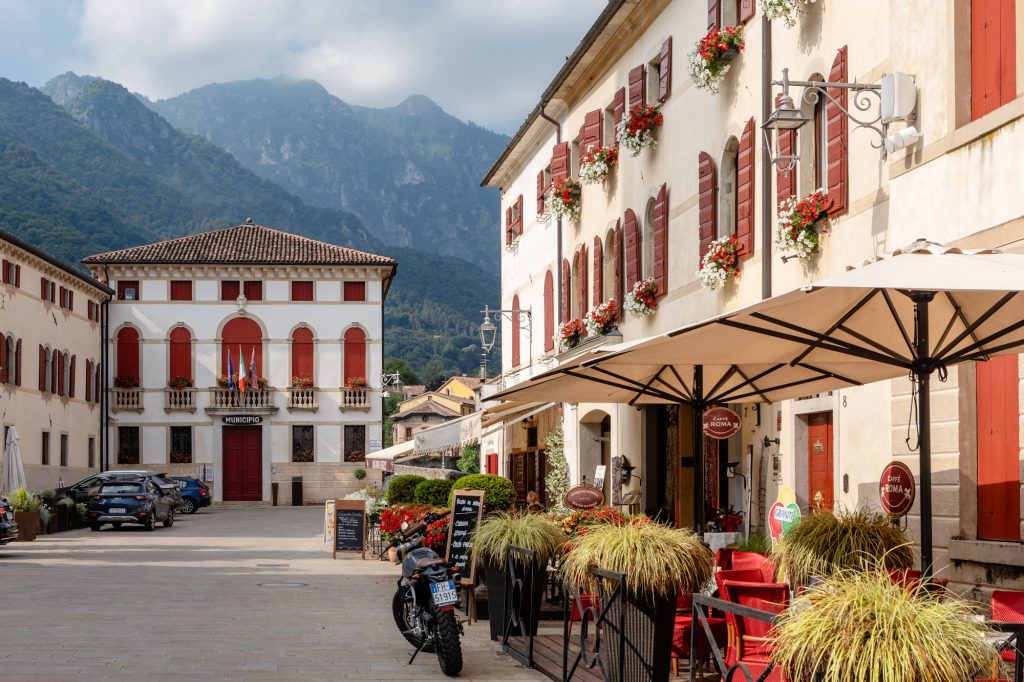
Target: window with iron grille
181, 445
302, 443
92, 452
46, 448
355, 443
128, 445
63, 449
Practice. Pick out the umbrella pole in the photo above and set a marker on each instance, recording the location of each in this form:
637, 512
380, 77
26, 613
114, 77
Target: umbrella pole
698, 449
922, 371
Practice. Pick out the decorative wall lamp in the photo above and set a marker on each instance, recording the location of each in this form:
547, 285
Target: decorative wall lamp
488, 331
896, 99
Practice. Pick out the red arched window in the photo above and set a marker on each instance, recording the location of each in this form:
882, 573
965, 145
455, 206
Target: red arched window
302, 352
355, 354
515, 332
549, 312
181, 354
242, 335
61, 370
128, 353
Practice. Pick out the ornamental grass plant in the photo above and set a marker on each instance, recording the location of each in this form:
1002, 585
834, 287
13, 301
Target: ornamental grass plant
658, 561
825, 543
861, 626
529, 531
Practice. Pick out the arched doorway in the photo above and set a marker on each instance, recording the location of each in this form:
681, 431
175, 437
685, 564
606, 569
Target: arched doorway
595, 449
242, 337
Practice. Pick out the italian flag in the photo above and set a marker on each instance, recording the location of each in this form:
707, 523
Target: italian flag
241, 370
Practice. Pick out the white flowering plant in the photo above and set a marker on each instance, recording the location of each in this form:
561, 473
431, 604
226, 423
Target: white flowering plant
596, 163
641, 298
787, 10
565, 199
711, 56
602, 318
635, 131
720, 263
802, 224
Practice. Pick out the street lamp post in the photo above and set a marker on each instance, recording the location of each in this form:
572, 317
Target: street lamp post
488, 330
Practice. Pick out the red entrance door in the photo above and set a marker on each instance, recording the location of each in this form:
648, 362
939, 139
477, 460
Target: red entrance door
243, 463
819, 460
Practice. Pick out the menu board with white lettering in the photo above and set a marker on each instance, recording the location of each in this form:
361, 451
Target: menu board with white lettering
467, 509
349, 526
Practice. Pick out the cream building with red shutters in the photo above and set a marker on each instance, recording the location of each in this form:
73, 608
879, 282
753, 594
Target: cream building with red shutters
305, 317
708, 177
50, 363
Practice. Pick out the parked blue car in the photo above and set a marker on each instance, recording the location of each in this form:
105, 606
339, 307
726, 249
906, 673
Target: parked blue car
195, 494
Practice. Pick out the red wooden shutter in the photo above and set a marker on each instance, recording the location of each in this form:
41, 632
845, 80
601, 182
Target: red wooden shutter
254, 290
619, 105
355, 291
63, 298
181, 290
785, 182
746, 10
98, 382
632, 248
617, 256
71, 380
492, 463
637, 96
128, 352
71, 300
993, 55
60, 372
549, 311
566, 288
302, 352
591, 131
508, 225
17, 276
714, 13
4, 369
998, 449
745, 191
42, 369
88, 381
837, 132
229, 290
581, 285
55, 377
519, 218
598, 296
181, 354
355, 354
44, 288
541, 188
559, 162
515, 332
17, 363
302, 291
660, 234
242, 335
707, 196
665, 70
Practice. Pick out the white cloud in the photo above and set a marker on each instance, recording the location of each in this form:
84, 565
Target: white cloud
484, 61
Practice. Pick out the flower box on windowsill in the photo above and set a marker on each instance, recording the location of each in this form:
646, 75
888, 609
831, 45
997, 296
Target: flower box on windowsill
590, 343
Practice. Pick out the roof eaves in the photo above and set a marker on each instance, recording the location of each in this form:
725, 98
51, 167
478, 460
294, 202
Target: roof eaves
54, 261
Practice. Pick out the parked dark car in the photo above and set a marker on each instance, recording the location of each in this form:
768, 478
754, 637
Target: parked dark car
84, 490
194, 493
8, 527
126, 500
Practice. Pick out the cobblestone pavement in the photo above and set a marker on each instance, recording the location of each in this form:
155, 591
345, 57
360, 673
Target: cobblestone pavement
234, 593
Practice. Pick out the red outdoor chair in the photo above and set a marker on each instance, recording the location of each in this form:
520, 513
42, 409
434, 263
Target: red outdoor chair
587, 600
683, 632
723, 558
746, 575
1008, 607
757, 561
911, 579
749, 638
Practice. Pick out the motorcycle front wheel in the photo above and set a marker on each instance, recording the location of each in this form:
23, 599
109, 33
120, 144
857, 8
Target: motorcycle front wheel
405, 618
446, 637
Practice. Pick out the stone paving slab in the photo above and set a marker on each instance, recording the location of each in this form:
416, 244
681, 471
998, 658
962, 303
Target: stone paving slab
212, 598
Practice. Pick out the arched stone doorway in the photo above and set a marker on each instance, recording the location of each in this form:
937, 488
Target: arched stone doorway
595, 448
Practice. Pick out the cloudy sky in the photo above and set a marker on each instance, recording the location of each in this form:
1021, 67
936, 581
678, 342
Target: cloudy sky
483, 61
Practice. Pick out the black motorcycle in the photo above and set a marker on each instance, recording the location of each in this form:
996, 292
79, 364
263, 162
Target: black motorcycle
424, 604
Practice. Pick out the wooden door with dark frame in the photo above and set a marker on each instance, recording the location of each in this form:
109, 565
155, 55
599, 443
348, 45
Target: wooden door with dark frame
243, 463
821, 480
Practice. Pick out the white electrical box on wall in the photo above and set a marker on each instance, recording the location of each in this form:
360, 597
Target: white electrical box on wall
898, 97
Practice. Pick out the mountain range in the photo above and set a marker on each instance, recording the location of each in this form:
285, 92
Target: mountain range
86, 166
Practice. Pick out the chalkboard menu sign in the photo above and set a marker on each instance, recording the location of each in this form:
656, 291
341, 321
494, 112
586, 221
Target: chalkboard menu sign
467, 508
349, 527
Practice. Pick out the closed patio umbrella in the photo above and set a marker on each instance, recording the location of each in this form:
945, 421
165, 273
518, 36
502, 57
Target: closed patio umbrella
12, 476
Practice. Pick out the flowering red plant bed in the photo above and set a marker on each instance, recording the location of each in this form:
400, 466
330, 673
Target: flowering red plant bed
635, 131
392, 517
355, 383
802, 223
603, 318
179, 383
725, 519
565, 199
640, 299
709, 60
570, 334
720, 262
126, 381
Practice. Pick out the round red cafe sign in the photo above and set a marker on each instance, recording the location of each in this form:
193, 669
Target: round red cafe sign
721, 423
896, 489
583, 496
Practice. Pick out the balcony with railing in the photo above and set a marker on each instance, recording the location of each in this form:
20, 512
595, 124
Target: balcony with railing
302, 398
355, 398
179, 399
126, 399
231, 400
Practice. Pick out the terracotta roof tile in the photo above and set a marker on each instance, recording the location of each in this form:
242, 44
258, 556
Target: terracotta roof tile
428, 407
242, 244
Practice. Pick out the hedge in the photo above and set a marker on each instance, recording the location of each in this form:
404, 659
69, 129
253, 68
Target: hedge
434, 492
402, 489
499, 493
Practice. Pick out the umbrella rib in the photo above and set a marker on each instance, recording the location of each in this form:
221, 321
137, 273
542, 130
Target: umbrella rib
630, 384
871, 342
973, 327
606, 382
842, 320
899, 323
831, 344
686, 389
632, 401
832, 375
747, 381
987, 353
725, 377
979, 346
778, 387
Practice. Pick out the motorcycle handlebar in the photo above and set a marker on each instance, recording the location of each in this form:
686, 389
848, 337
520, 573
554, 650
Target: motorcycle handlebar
422, 524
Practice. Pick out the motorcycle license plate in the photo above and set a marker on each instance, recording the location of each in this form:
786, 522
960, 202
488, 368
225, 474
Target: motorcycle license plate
117, 510
444, 593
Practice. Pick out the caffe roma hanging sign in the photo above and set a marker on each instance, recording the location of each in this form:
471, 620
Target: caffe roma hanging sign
721, 423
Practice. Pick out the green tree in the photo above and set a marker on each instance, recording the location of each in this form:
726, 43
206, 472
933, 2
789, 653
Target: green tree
407, 376
557, 480
469, 462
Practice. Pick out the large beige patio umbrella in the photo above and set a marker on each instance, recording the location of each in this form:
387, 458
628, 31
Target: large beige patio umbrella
912, 312
12, 475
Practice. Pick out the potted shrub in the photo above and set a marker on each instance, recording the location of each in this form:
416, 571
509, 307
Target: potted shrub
359, 473
179, 383
499, 493
802, 223
26, 514
635, 131
302, 456
658, 562
126, 381
597, 163
570, 334
402, 489
355, 383
712, 55
434, 491
720, 263
223, 381
302, 381
491, 541
602, 318
262, 383
640, 299
787, 10
565, 199
862, 625
825, 542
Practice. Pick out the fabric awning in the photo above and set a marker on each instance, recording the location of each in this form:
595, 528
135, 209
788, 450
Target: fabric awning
450, 437
384, 460
507, 418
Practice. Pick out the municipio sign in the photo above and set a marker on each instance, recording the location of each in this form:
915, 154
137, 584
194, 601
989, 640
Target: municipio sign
896, 489
721, 423
242, 419
583, 496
